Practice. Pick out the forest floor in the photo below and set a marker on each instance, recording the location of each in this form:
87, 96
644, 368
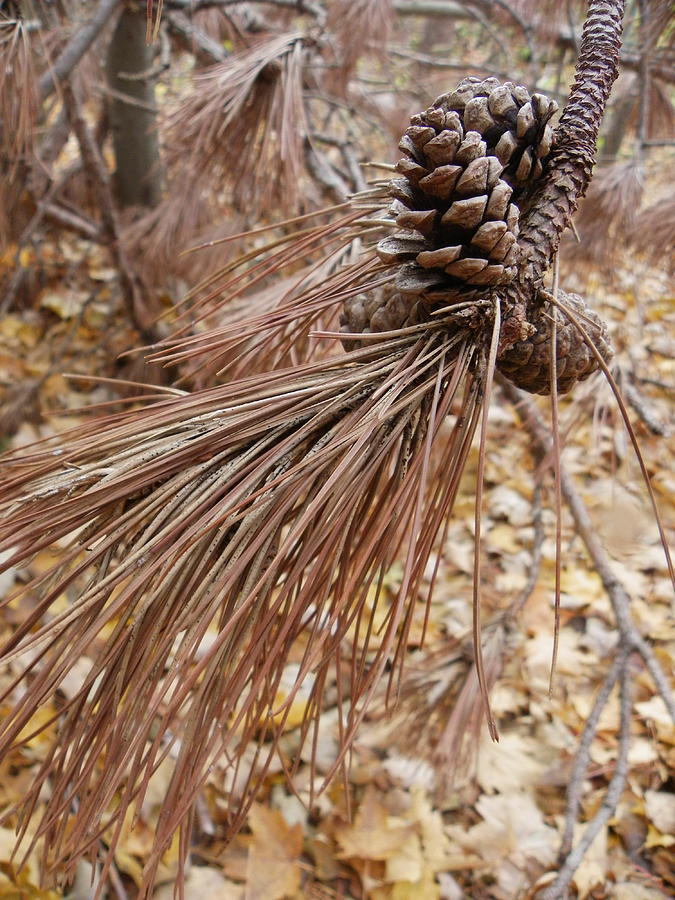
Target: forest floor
411, 826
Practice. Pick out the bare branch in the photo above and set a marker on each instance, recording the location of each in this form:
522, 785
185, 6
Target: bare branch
572, 160
192, 6
558, 890
575, 787
99, 179
618, 596
331, 182
639, 404
76, 222
75, 49
204, 47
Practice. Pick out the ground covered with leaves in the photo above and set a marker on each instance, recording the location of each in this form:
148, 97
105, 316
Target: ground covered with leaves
430, 807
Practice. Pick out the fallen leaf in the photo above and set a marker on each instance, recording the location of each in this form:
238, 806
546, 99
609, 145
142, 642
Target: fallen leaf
273, 870
661, 810
374, 834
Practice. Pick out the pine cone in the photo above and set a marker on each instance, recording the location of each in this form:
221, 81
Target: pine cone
527, 363
468, 157
384, 309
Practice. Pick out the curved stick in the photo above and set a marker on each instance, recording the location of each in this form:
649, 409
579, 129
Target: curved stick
553, 203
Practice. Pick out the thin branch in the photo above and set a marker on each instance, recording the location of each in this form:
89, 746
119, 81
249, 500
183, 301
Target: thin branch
76, 222
537, 553
206, 50
571, 163
441, 63
575, 786
430, 9
99, 179
75, 49
332, 183
558, 890
301, 6
618, 596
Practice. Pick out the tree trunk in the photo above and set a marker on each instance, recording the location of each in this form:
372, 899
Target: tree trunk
138, 178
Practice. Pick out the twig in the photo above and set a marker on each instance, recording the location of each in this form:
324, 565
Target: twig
76, 222
75, 49
346, 148
442, 63
353, 167
631, 639
205, 49
558, 890
579, 770
47, 209
332, 183
491, 32
99, 179
116, 882
430, 8
302, 6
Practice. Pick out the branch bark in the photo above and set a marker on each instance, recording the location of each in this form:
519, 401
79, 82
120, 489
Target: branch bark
206, 50
618, 596
555, 200
99, 180
75, 49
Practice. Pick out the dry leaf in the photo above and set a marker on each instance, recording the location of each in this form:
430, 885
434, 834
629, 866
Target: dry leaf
661, 810
203, 883
272, 870
374, 834
592, 870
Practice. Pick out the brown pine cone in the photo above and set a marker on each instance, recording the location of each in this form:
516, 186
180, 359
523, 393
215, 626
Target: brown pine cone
468, 156
384, 309
527, 363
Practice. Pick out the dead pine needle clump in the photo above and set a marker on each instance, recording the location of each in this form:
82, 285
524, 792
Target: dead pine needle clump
206, 534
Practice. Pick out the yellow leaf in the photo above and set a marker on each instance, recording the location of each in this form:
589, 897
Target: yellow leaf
504, 537
291, 711
424, 889
66, 305
273, 870
20, 884
26, 257
44, 560
661, 811
406, 864
374, 834
655, 838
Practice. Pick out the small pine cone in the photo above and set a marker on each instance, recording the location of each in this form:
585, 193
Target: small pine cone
527, 363
467, 158
384, 309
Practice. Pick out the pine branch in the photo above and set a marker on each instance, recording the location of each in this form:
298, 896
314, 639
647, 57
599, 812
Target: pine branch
570, 167
235, 508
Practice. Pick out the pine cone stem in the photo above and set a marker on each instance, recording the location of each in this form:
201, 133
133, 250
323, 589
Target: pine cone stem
571, 164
